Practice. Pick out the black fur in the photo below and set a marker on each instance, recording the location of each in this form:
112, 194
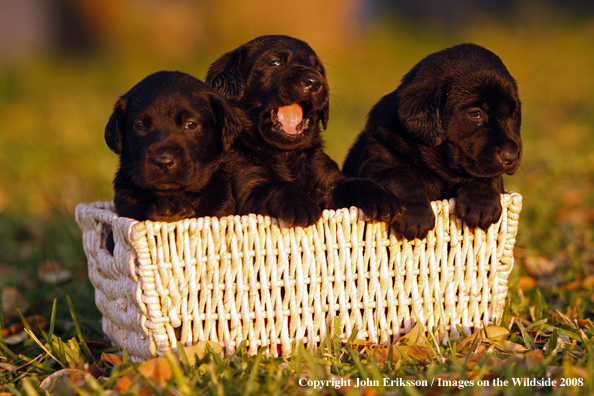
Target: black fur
450, 130
287, 175
170, 131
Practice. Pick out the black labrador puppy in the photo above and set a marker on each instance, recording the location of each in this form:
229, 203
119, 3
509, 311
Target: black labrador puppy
450, 130
170, 131
278, 164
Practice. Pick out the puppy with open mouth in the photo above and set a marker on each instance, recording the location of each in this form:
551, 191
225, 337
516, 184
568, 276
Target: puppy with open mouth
278, 164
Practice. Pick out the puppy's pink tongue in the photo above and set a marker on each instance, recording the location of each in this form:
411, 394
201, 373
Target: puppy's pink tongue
289, 117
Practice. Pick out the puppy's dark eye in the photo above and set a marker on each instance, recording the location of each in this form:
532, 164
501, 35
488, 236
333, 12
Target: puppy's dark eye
139, 126
275, 62
475, 114
191, 125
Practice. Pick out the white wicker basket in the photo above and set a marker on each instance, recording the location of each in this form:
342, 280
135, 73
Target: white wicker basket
252, 278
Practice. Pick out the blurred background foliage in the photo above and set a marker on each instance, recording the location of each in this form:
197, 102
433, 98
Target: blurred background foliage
63, 64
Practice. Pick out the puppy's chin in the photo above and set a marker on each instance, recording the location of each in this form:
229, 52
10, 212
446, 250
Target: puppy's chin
166, 187
165, 184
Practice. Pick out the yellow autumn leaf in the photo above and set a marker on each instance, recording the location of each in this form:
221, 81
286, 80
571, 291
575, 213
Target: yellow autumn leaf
511, 346
419, 352
496, 333
416, 335
199, 350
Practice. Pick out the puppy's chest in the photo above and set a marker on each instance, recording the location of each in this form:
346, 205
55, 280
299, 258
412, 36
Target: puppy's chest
298, 172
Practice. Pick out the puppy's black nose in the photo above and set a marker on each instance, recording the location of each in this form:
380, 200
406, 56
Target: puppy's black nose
311, 83
508, 156
164, 161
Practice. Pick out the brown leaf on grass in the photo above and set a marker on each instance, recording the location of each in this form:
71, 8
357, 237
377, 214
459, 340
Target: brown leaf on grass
36, 322
494, 333
357, 342
527, 360
97, 347
475, 360
533, 358
96, 371
583, 323
156, 370
584, 283
539, 267
516, 319
577, 216
415, 336
16, 333
510, 346
421, 353
63, 379
369, 391
111, 359
52, 272
488, 375
199, 350
12, 300
7, 271
527, 283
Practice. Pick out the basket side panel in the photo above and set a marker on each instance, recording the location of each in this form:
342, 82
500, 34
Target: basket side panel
115, 284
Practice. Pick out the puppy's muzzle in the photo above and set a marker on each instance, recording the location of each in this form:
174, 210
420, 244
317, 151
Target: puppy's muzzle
165, 159
164, 162
311, 83
509, 156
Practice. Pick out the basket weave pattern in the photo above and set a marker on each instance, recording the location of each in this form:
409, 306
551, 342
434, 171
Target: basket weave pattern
252, 278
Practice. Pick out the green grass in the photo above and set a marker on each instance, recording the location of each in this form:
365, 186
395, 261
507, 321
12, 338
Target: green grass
52, 156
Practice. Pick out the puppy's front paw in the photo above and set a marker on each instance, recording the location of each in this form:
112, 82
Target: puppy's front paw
382, 205
417, 220
295, 208
170, 209
377, 203
480, 208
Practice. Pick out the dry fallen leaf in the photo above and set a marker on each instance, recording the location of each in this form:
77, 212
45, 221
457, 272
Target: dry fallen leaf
583, 323
357, 342
539, 267
488, 375
585, 283
199, 350
497, 333
111, 359
419, 352
157, 370
516, 319
68, 378
527, 283
415, 336
533, 358
511, 346
51, 272
12, 300
16, 334
475, 360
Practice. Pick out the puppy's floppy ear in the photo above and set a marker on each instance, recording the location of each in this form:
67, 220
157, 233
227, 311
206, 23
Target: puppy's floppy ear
225, 74
325, 114
115, 128
228, 122
419, 110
